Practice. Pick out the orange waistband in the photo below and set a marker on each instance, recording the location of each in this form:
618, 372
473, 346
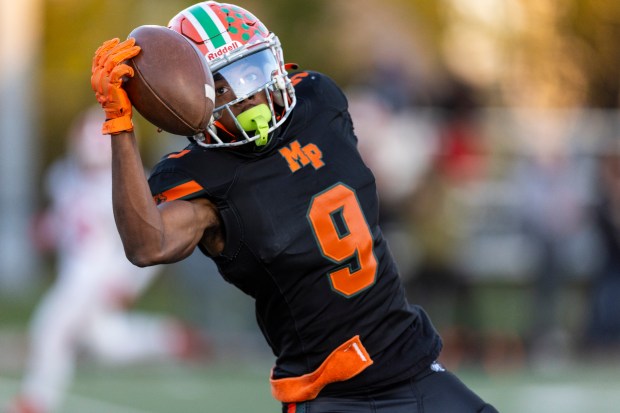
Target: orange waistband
345, 362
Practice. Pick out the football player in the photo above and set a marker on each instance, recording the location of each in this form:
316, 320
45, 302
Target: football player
276, 193
86, 308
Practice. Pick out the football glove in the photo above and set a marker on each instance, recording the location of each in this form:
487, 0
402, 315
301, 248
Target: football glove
108, 71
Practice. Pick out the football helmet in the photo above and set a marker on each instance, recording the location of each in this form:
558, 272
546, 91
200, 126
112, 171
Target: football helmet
240, 49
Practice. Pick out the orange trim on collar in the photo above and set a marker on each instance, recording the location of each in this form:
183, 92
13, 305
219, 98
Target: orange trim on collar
220, 126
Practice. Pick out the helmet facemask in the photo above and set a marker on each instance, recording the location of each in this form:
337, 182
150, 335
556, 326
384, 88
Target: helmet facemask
254, 71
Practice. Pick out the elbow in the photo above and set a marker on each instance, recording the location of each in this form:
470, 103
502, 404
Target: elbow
141, 258
140, 261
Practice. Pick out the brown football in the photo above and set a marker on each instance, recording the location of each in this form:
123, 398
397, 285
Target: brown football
172, 86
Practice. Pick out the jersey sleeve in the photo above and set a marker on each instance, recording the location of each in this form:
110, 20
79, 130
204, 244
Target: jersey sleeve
326, 92
322, 104
168, 182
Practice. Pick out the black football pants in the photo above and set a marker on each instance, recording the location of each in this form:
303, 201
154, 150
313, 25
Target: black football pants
431, 392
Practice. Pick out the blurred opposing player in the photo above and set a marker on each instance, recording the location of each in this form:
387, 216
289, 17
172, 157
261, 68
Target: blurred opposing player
276, 193
85, 309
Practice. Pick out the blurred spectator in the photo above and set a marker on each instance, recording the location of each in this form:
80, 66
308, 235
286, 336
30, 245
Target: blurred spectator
552, 206
426, 161
603, 331
438, 214
462, 157
435, 221
398, 146
85, 310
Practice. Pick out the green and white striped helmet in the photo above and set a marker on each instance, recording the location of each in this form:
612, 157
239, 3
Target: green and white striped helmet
229, 36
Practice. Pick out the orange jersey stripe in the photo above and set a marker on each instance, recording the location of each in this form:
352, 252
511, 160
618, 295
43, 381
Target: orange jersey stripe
179, 154
178, 192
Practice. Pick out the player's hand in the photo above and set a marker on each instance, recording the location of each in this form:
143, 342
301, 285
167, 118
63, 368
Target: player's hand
108, 71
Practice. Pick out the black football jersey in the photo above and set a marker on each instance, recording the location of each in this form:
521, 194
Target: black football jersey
303, 238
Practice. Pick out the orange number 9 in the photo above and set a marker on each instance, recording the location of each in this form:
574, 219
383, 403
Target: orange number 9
342, 233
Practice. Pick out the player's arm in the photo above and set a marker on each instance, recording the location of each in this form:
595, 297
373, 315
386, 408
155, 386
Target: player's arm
153, 235
150, 235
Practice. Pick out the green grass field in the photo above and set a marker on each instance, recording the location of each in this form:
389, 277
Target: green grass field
229, 386
239, 383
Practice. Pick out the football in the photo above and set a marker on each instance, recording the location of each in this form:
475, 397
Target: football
172, 86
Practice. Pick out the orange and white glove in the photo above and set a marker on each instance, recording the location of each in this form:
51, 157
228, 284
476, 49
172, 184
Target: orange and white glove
107, 81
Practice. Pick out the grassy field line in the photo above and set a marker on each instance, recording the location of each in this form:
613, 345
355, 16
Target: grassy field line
577, 392
87, 404
575, 397
73, 402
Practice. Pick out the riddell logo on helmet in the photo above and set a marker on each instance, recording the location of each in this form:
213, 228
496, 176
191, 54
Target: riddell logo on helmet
223, 50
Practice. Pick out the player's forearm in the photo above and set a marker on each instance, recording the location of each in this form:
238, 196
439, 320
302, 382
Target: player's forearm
138, 219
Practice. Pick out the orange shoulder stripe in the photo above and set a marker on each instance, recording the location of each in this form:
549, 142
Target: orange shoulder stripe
298, 77
178, 192
179, 154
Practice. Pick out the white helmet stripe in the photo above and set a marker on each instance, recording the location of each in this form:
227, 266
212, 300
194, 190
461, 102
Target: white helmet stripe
208, 25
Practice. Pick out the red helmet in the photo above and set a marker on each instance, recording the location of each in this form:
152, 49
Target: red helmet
230, 36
